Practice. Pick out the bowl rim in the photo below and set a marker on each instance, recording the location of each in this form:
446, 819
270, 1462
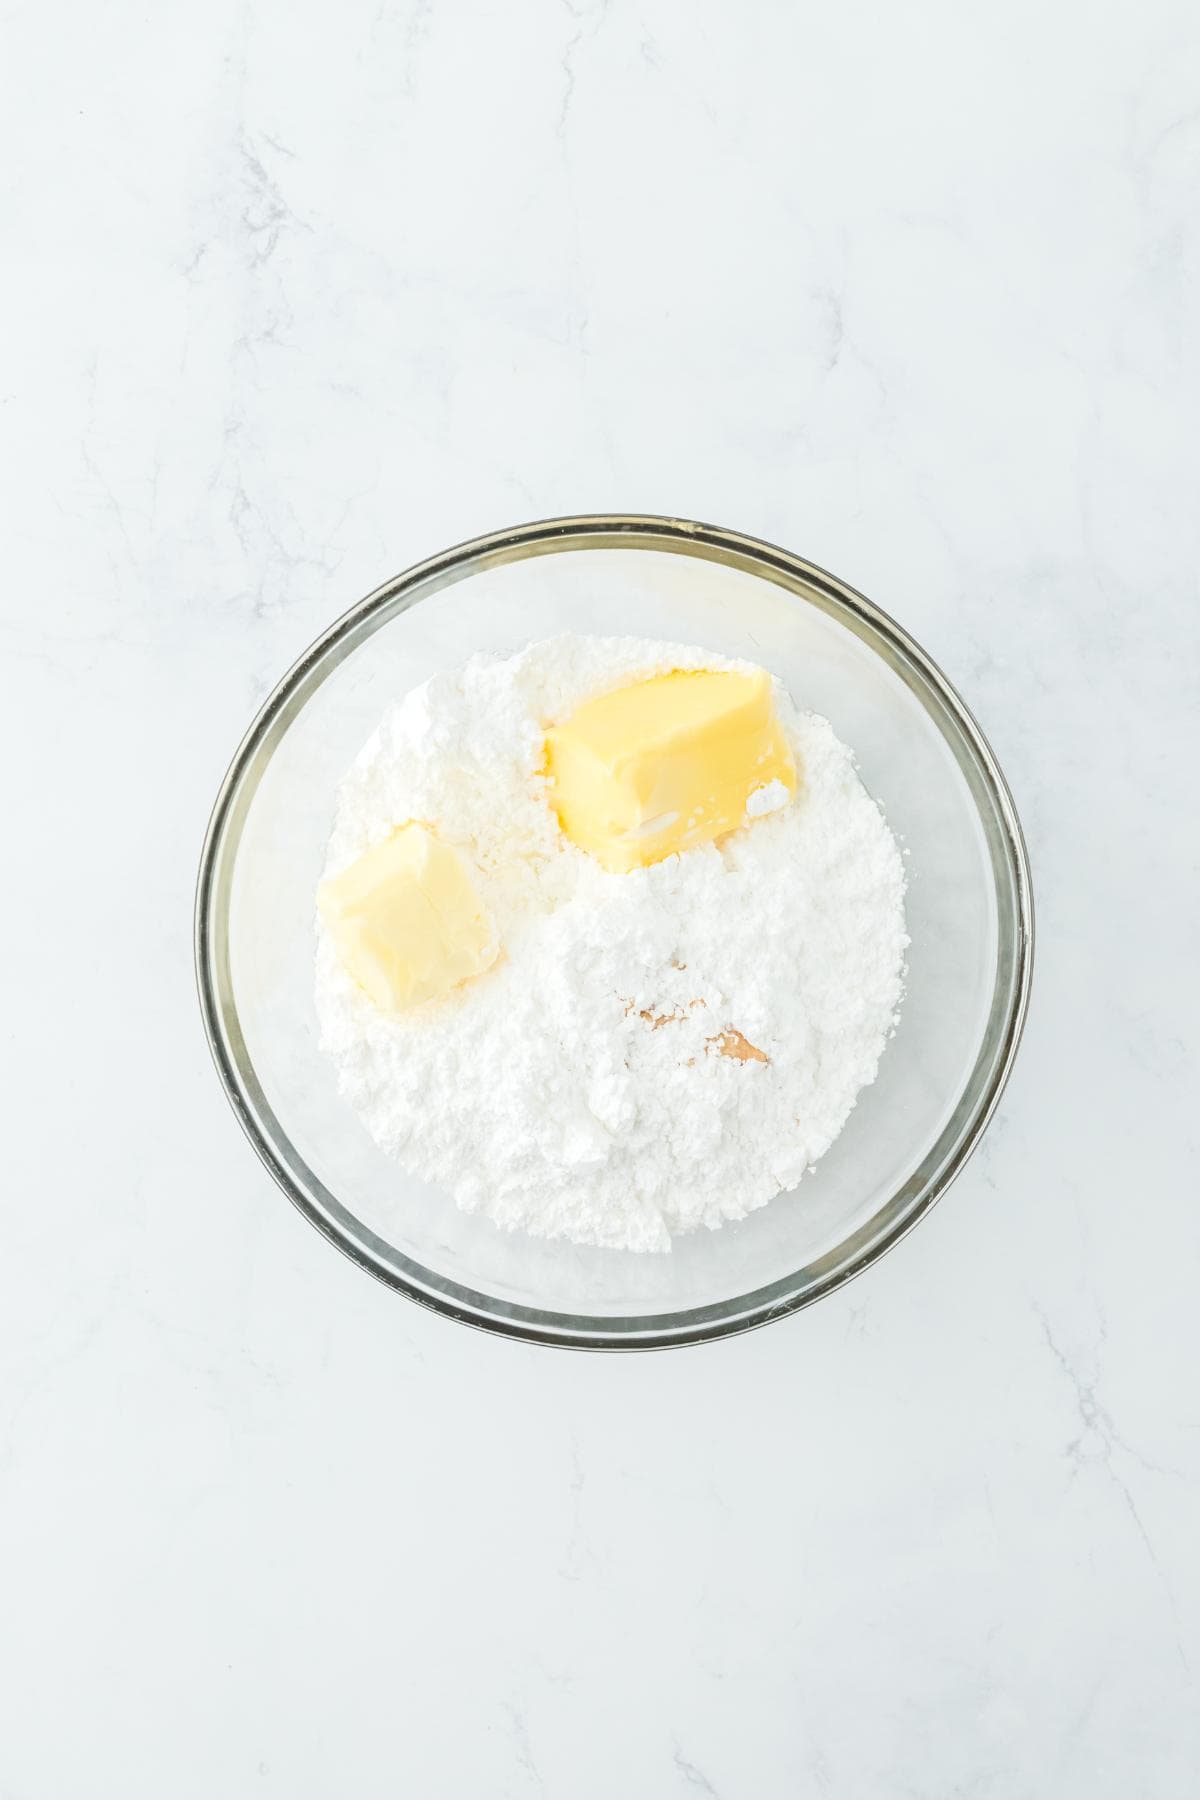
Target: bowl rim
806, 582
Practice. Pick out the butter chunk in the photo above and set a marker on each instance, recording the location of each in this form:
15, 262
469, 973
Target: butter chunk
668, 763
406, 920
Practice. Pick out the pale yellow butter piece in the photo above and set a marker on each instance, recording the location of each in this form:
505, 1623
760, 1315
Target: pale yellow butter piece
406, 919
665, 764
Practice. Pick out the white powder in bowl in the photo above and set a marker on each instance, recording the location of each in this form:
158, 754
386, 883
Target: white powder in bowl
653, 1051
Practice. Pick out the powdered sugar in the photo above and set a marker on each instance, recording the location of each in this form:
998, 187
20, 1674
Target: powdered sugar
655, 1050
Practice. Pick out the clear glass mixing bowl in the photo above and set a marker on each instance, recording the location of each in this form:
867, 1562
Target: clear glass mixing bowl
920, 753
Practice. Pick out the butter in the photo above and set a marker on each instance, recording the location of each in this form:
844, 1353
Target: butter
406, 920
665, 764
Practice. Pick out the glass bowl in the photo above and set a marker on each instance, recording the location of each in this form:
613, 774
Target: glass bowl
920, 753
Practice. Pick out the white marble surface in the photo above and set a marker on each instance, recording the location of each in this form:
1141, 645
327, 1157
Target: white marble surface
296, 294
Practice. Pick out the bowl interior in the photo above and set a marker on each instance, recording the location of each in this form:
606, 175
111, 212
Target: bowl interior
905, 1134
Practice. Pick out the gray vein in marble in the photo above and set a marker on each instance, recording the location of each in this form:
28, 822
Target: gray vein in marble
519, 1733
115, 506
265, 212
834, 307
856, 1319
1093, 1416
587, 20
1097, 1425
695, 1778
577, 1554
414, 37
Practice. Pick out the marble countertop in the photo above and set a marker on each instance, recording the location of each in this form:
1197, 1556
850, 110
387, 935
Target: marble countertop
298, 294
